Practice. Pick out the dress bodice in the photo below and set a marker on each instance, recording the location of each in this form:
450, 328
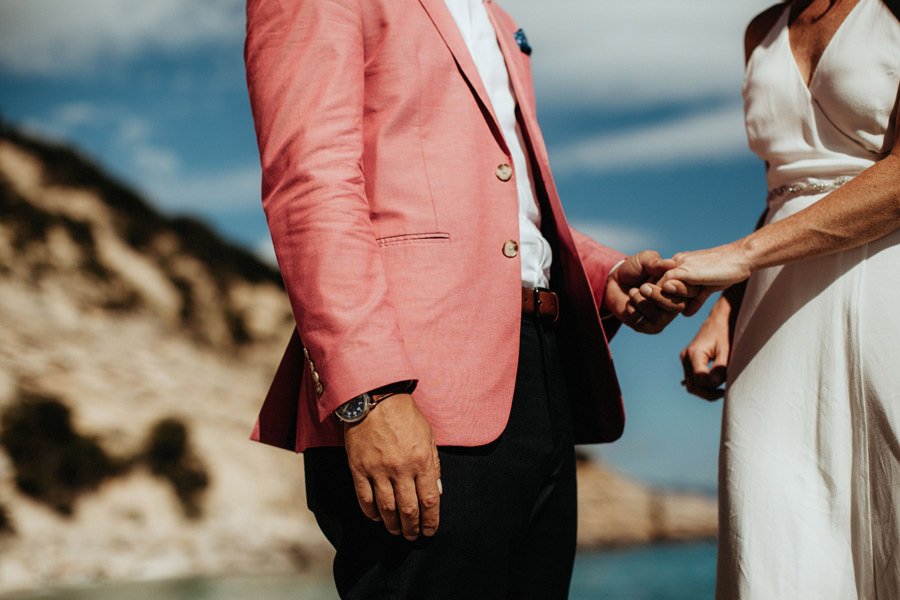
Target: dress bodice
840, 123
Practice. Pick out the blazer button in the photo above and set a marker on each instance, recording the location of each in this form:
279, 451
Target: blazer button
315, 377
503, 172
320, 389
510, 248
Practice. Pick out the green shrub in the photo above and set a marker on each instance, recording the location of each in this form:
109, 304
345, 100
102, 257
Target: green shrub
53, 463
168, 455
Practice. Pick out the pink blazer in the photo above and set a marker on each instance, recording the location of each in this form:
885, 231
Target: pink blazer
389, 216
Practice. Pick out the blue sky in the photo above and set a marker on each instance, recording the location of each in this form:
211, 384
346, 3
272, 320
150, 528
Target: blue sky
639, 103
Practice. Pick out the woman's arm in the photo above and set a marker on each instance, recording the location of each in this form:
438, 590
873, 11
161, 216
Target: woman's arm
865, 209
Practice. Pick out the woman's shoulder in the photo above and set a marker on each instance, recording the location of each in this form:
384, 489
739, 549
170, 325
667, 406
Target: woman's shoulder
760, 27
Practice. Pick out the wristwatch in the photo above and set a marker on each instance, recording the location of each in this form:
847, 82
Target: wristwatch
356, 409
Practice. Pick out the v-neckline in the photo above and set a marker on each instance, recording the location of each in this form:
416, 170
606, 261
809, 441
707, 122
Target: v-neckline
814, 70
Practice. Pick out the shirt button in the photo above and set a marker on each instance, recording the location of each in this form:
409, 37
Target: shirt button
510, 248
320, 389
503, 172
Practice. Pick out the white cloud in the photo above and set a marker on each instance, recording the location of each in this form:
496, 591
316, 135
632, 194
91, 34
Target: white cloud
130, 134
157, 170
624, 238
75, 114
642, 51
585, 51
221, 189
50, 37
708, 136
154, 161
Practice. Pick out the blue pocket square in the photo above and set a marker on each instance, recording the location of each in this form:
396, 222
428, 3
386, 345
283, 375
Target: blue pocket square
522, 41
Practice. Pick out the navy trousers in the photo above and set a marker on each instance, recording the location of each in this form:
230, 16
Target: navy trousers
508, 511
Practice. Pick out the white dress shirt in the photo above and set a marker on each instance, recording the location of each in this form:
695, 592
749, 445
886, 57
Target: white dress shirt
475, 26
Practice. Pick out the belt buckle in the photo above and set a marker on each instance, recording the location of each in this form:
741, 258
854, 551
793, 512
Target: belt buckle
537, 303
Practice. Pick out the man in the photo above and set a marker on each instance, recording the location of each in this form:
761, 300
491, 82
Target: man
434, 382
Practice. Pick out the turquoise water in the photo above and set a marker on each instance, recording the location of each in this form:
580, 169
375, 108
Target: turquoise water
671, 572
676, 572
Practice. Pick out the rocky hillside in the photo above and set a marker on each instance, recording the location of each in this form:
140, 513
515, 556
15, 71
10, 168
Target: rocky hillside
134, 352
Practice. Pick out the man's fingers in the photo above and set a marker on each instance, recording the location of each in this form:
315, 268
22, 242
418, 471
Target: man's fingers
387, 506
407, 506
366, 496
675, 287
429, 494
437, 468
667, 302
646, 307
653, 265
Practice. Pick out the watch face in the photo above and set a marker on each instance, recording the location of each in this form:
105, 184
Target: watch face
354, 410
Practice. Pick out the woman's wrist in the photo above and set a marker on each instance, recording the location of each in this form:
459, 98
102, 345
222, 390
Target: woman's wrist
751, 251
721, 310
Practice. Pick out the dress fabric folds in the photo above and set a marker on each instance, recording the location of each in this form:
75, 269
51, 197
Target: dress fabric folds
810, 457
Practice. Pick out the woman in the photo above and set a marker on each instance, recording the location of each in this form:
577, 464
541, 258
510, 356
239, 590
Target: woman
810, 458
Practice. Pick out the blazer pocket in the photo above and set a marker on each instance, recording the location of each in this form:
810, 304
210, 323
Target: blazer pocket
432, 237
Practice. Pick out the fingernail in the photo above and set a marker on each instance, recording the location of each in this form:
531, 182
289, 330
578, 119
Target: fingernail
440, 487
428, 532
411, 538
670, 287
377, 518
395, 531
647, 289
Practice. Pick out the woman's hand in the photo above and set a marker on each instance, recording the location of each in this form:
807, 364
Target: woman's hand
705, 359
714, 269
639, 304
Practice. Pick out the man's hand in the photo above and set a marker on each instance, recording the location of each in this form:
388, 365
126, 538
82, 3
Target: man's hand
636, 301
395, 467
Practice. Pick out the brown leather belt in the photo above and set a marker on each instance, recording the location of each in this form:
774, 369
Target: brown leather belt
540, 303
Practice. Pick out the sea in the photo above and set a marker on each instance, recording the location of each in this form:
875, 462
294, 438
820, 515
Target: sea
662, 572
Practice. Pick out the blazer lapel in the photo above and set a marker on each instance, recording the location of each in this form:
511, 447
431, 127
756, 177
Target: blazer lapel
448, 30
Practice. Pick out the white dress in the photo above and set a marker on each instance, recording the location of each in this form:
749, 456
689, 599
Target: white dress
810, 457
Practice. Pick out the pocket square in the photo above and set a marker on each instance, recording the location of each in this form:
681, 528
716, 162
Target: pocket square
522, 41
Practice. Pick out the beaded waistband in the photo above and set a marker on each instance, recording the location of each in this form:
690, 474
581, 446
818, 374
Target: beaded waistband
806, 189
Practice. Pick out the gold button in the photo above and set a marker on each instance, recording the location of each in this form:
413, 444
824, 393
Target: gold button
320, 389
306, 353
315, 376
510, 248
504, 172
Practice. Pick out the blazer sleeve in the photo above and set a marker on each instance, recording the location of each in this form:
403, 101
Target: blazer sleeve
305, 76
598, 261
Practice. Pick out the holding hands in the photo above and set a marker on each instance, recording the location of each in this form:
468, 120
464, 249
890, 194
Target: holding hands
635, 298
713, 269
647, 292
